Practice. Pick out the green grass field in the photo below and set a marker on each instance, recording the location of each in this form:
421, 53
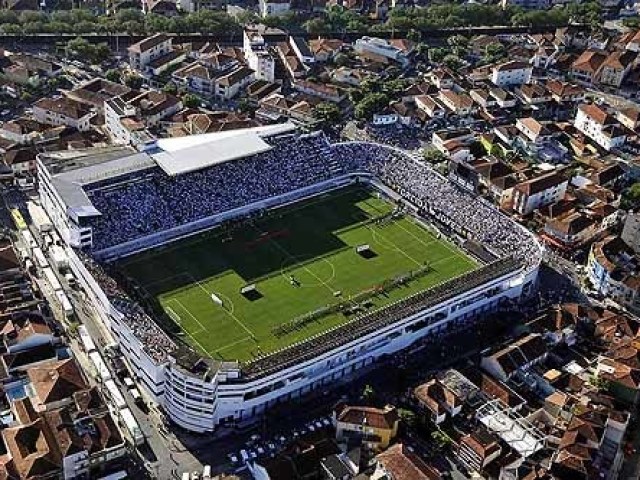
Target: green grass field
315, 241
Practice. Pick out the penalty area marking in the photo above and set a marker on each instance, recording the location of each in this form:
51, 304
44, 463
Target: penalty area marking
174, 316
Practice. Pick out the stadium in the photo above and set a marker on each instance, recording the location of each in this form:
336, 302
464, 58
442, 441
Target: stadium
240, 269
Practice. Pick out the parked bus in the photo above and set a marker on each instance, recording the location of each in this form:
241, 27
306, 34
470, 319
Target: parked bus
87, 342
133, 429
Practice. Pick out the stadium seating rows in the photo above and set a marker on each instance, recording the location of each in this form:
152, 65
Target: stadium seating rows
156, 202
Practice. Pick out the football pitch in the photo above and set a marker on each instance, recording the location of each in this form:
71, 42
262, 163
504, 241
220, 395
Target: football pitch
303, 271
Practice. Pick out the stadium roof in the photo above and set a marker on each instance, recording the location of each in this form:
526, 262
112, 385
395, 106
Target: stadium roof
70, 170
186, 154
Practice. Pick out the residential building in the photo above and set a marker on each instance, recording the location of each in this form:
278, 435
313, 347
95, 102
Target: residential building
586, 67
478, 449
511, 73
273, 8
612, 269
631, 231
144, 52
538, 192
401, 463
599, 126
384, 48
63, 111
372, 427
459, 103
616, 67
437, 401
520, 355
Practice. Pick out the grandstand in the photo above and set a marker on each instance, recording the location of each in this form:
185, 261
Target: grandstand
224, 246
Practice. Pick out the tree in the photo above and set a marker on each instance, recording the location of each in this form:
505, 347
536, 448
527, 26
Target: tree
113, 75
170, 88
434, 156
407, 417
368, 394
441, 439
370, 104
341, 60
327, 114
190, 101
133, 81
453, 62
315, 26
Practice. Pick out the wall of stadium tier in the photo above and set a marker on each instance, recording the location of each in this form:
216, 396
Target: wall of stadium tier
213, 395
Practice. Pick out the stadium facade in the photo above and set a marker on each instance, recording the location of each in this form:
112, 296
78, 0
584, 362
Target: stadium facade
84, 196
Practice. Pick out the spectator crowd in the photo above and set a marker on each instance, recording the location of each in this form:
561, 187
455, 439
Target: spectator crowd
156, 202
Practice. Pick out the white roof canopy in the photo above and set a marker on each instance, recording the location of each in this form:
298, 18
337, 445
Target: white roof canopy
187, 154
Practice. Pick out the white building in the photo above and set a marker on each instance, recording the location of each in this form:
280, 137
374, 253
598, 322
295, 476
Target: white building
385, 48
141, 54
511, 73
273, 8
538, 192
612, 269
599, 126
63, 111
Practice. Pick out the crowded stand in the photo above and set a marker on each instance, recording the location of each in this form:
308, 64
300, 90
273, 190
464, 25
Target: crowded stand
156, 342
156, 202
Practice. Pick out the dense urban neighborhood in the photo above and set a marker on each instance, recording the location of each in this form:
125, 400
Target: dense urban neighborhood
302, 240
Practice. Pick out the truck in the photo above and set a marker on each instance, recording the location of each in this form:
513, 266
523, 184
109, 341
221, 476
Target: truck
39, 218
132, 428
51, 279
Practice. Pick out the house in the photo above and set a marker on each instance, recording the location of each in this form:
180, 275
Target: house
520, 355
531, 128
372, 427
430, 105
599, 126
63, 111
571, 230
400, 463
511, 73
534, 94
128, 117
202, 75
350, 76
483, 98
459, 103
615, 67
324, 91
21, 160
442, 77
141, 54
587, 66
95, 92
478, 449
612, 269
629, 117
230, 84
54, 384
301, 49
503, 98
437, 401
565, 92
276, 106
392, 50
166, 8
538, 192
325, 49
